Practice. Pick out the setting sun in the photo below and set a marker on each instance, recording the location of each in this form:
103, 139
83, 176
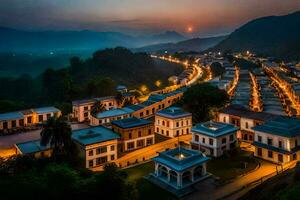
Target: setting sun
190, 29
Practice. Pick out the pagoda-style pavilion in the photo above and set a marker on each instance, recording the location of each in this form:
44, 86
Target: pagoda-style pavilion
180, 167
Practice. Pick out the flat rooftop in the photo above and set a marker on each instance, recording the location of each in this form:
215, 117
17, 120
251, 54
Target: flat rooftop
93, 135
282, 126
131, 122
214, 129
173, 112
180, 159
31, 147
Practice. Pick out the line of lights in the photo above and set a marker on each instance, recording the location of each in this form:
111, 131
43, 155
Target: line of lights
284, 88
255, 101
235, 81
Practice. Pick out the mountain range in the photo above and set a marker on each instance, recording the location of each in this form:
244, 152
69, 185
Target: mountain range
194, 44
20, 40
272, 36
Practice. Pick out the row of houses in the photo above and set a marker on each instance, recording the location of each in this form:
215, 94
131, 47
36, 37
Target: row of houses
274, 137
26, 118
81, 109
147, 109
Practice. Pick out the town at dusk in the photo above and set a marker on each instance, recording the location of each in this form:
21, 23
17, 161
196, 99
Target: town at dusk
161, 99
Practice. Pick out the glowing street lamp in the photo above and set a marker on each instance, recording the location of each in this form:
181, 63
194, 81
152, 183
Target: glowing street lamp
158, 83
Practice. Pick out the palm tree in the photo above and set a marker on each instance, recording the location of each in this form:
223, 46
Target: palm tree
57, 133
97, 108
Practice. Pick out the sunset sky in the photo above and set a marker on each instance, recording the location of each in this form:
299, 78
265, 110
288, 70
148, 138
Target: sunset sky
192, 17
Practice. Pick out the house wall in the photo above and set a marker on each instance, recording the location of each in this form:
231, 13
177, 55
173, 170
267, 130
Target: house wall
91, 160
133, 135
168, 127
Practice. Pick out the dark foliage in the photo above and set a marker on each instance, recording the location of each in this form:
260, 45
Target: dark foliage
201, 99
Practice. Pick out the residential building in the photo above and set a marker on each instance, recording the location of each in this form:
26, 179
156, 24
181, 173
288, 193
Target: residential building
97, 145
106, 117
82, 108
172, 122
24, 118
214, 138
34, 149
179, 168
278, 140
244, 119
135, 133
147, 109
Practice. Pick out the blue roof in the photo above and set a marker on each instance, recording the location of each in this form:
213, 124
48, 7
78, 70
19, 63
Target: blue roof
43, 110
131, 122
282, 126
94, 135
214, 129
173, 112
156, 97
11, 116
114, 112
135, 107
173, 160
32, 147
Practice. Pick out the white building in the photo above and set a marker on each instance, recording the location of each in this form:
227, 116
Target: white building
82, 108
172, 122
278, 140
97, 145
214, 138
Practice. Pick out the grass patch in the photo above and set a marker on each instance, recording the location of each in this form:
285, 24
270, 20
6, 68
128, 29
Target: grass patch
230, 166
146, 189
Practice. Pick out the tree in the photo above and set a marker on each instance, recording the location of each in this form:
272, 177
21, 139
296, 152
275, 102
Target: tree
57, 133
97, 108
120, 98
200, 99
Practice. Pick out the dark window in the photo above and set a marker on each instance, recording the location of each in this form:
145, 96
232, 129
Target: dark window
85, 108
48, 116
112, 157
91, 152
211, 141
296, 142
130, 135
91, 163
86, 114
130, 145
247, 125
177, 124
270, 141
259, 151
140, 143
167, 133
259, 138
294, 156
231, 138
149, 141
101, 160
224, 119
21, 122
13, 123
187, 131
149, 132
280, 158
29, 120
163, 123
223, 140
197, 138
280, 144
177, 133
270, 154
40, 118
203, 140
157, 130
112, 147
140, 134
101, 150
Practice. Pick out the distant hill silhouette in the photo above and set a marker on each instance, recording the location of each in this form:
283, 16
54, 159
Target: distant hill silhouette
195, 44
19, 40
274, 36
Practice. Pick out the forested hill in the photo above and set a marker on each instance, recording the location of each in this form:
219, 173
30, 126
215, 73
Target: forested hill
272, 36
95, 76
122, 66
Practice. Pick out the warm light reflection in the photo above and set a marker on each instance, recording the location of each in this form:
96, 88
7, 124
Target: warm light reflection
234, 83
255, 101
